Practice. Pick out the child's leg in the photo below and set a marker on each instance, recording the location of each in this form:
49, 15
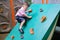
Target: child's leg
22, 23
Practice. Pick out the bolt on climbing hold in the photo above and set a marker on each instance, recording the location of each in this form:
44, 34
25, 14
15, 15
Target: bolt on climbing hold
21, 36
41, 10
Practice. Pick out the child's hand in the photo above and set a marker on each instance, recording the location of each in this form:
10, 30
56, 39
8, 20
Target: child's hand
30, 17
30, 10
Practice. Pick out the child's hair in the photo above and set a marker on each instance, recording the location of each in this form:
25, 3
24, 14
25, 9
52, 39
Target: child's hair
26, 3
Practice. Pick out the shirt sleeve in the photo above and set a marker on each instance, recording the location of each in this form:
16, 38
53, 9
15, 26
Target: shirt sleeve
22, 12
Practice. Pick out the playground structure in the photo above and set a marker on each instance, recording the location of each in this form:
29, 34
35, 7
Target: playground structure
7, 19
41, 30
8, 10
4, 16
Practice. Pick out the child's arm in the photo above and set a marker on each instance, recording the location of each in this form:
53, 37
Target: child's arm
27, 16
24, 14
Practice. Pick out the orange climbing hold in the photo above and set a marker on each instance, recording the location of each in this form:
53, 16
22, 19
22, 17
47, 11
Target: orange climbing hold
12, 37
43, 18
31, 31
30, 10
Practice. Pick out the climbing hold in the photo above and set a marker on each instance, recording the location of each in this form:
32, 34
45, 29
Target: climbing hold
43, 18
31, 31
41, 10
21, 36
4, 27
30, 10
12, 37
1, 10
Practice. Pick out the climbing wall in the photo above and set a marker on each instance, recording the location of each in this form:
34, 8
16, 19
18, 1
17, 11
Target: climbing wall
42, 29
5, 19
